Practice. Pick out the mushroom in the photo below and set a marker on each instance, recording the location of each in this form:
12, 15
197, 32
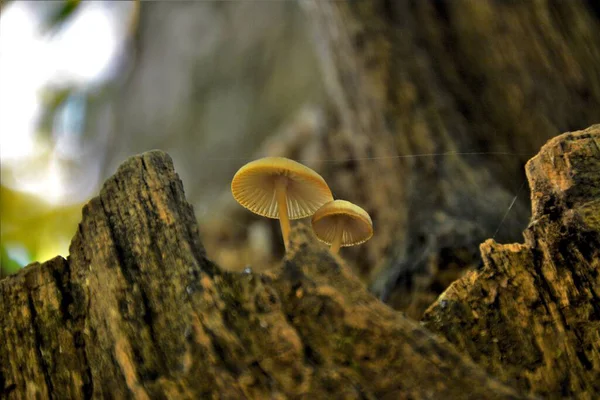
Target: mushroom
280, 188
341, 223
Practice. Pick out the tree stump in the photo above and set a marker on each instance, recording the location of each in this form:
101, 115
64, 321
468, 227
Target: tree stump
138, 311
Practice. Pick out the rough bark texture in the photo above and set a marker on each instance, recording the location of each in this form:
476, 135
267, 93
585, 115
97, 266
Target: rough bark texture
531, 315
493, 79
138, 311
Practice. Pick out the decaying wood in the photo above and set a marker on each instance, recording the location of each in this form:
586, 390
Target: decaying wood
138, 311
531, 315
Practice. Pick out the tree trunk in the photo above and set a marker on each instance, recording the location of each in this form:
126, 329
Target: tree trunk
491, 81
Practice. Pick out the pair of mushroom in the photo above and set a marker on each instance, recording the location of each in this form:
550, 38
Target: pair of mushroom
280, 188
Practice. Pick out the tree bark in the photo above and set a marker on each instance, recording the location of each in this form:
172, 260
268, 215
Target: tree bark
531, 315
138, 311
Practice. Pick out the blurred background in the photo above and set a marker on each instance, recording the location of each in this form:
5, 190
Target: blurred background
422, 112
86, 84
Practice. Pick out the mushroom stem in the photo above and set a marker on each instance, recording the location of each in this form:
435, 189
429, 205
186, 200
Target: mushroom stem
337, 239
281, 196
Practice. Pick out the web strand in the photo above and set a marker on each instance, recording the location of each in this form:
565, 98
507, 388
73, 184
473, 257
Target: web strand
469, 153
512, 203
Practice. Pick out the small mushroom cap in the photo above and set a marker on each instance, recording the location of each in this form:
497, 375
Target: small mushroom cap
253, 186
355, 222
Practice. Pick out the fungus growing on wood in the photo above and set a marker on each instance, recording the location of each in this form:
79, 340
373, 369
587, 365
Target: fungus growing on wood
341, 223
280, 188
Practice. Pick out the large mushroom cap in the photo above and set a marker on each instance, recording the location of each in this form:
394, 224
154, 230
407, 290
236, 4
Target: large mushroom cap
253, 186
355, 223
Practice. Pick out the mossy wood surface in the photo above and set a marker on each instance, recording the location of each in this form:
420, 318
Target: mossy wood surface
137, 311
